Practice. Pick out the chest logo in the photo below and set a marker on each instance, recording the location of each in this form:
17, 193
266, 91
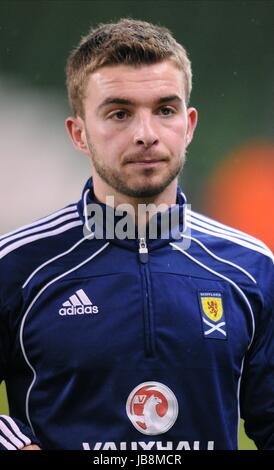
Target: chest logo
152, 408
212, 312
78, 304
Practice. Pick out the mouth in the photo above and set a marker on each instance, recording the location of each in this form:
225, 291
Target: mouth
145, 162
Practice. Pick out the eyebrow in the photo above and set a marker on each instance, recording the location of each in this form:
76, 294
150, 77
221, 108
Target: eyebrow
167, 99
124, 101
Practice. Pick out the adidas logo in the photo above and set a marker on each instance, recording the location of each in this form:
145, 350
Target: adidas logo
78, 304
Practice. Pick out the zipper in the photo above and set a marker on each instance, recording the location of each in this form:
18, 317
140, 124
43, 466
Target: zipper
143, 251
147, 299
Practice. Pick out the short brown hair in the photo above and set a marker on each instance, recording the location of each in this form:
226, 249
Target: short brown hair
128, 42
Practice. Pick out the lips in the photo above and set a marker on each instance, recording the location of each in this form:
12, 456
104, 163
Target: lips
146, 160
146, 165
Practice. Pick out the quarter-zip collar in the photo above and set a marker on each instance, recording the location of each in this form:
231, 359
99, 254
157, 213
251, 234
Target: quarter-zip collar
170, 233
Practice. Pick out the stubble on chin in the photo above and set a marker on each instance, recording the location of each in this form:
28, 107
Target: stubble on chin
120, 183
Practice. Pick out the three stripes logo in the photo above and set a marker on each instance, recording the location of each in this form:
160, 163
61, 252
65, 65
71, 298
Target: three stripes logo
78, 304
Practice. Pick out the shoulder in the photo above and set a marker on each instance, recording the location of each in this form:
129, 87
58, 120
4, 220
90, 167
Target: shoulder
22, 249
221, 235
235, 252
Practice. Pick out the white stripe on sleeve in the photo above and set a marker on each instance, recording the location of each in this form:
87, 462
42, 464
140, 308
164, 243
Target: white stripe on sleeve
40, 229
7, 433
16, 429
39, 222
7, 444
34, 238
238, 241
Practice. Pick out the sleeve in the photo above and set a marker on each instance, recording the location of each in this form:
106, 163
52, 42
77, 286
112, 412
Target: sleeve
257, 385
14, 434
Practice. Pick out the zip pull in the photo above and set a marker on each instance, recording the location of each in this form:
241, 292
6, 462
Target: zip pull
143, 251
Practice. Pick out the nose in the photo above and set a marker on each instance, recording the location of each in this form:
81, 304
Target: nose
145, 134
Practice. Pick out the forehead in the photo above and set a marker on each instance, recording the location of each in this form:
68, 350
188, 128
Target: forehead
141, 82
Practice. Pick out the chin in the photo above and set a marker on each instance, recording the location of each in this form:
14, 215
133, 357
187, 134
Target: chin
145, 191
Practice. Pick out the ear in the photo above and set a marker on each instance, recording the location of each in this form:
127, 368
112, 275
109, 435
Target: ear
192, 119
77, 133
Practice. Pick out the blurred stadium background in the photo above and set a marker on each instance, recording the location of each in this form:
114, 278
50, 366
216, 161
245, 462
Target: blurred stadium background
230, 168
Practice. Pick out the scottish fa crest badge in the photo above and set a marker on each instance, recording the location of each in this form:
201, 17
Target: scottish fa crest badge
213, 316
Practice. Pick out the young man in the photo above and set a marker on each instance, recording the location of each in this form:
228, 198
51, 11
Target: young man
112, 342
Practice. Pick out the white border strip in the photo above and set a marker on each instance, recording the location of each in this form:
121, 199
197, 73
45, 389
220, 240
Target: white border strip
222, 260
59, 221
227, 232
238, 397
222, 228
64, 253
33, 238
40, 221
237, 241
27, 312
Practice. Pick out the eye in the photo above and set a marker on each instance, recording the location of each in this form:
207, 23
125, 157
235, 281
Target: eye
119, 115
166, 111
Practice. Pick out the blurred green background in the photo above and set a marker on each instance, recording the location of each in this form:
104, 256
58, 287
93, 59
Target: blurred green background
231, 48
230, 45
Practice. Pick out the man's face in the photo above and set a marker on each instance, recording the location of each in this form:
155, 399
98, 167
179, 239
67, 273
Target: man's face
137, 127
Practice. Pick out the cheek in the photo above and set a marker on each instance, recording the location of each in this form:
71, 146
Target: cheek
111, 143
104, 131
175, 136
120, 139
